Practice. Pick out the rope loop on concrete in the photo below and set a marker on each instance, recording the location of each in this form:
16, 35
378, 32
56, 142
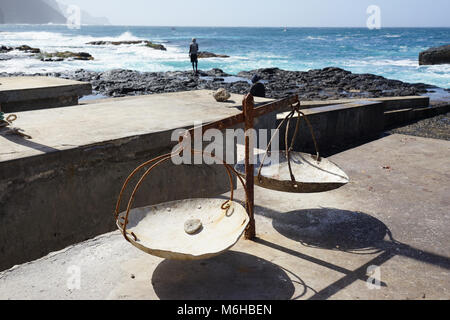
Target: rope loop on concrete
7, 123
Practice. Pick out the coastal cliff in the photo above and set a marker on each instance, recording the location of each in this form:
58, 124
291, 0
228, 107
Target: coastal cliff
41, 12
29, 11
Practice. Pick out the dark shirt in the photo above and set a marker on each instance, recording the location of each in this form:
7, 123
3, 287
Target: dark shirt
193, 49
258, 90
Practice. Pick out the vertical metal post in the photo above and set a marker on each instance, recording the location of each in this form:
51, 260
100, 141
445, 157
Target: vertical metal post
248, 107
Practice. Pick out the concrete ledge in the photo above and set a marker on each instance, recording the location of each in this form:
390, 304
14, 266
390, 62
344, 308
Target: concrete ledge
336, 125
397, 118
32, 93
394, 103
61, 187
390, 103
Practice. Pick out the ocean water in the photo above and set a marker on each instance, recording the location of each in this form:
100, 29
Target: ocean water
389, 52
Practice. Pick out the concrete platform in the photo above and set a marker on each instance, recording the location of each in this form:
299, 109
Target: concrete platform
61, 187
106, 120
390, 103
32, 93
400, 117
394, 214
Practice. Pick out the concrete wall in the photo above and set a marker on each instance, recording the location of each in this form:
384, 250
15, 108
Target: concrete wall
32, 93
390, 103
19, 106
61, 187
396, 103
336, 125
396, 118
54, 200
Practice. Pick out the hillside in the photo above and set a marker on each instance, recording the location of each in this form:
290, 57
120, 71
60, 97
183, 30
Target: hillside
86, 17
41, 12
29, 11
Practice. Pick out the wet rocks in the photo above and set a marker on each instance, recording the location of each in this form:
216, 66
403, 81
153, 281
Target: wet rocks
320, 84
206, 54
330, 83
155, 46
66, 55
24, 48
436, 55
435, 128
46, 56
214, 73
132, 42
5, 49
28, 49
113, 43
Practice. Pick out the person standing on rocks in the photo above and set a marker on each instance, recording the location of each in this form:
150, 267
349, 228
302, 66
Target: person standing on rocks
193, 53
258, 89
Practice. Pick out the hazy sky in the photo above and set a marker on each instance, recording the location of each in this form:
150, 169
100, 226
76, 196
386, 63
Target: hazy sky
293, 13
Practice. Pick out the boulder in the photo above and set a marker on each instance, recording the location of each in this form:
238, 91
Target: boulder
155, 46
216, 72
206, 54
59, 56
4, 49
436, 55
51, 59
222, 95
28, 49
118, 43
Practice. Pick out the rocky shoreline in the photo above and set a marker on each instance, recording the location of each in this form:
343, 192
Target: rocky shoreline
435, 128
147, 43
45, 56
319, 84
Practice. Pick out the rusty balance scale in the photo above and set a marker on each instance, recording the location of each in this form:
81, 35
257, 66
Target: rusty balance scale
195, 229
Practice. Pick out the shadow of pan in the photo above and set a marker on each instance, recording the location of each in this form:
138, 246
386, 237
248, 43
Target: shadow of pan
333, 229
230, 276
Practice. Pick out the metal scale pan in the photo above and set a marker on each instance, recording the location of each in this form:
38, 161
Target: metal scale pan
160, 230
296, 172
311, 176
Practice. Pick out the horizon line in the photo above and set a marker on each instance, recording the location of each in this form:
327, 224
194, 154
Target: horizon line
210, 26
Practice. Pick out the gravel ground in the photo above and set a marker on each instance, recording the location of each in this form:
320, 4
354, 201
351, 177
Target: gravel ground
437, 128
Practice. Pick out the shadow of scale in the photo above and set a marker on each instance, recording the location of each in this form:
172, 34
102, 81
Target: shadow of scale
230, 276
331, 229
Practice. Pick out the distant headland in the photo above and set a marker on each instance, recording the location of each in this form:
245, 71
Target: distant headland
41, 12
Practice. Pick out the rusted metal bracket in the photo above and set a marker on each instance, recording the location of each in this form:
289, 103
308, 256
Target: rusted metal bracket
247, 117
